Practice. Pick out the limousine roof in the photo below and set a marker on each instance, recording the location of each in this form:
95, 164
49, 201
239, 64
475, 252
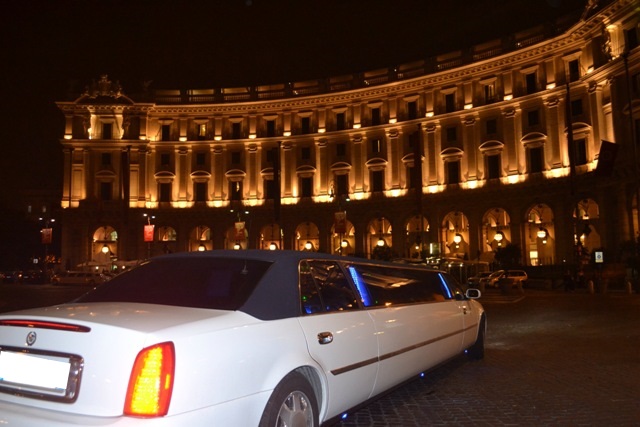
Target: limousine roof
276, 296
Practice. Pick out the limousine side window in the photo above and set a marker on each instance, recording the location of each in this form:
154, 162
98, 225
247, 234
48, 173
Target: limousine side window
453, 286
391, 286
324, 288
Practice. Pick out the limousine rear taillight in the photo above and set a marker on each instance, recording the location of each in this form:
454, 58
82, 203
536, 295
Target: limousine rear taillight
151, 382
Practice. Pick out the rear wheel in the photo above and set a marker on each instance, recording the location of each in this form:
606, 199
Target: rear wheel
292, 404
476, 351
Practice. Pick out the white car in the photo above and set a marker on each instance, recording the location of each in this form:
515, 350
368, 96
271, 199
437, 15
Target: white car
232, 338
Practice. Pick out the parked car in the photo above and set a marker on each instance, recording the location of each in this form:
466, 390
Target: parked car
233, 338
78, 278
11, 276
519, 277
477, 280
36, 277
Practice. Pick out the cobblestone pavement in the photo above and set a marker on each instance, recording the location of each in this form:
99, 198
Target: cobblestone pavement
552, 359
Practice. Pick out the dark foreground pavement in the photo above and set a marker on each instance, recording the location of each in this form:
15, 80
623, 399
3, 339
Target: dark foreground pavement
552, 359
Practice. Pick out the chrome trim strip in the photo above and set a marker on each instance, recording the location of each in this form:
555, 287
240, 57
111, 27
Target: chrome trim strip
367, 362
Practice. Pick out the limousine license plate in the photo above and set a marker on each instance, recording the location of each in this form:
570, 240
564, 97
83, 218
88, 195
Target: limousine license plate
38, 373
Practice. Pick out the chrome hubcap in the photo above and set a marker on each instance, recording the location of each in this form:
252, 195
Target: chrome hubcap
296, 411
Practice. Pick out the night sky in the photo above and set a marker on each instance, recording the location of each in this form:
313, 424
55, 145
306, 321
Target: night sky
52, 45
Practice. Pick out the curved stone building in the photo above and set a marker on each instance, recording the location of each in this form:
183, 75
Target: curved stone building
527, 142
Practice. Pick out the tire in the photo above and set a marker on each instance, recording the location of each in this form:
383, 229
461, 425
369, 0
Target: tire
476, 351
292, 404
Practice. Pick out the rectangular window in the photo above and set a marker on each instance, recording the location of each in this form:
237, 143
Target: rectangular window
270, 189
489, 93
106, 159
105, 190
341, 149
413, 181
200, 159
305, 153
581, 151
342, 185
536, 159
271, 155
533, 118
453, 172
271, 128
165, 159
107, 131
450, 102
235, 190
306, 187
574, 70
305, 125
452, 134
202, 131
166, 132
377, 181
412, 110
376, 146
493, 166
375, 116
531, 85
576, 107
200, 191
341, 123
165, 192
236, 130
492, 127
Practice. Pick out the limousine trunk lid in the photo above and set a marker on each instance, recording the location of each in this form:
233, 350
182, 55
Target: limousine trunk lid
78, 358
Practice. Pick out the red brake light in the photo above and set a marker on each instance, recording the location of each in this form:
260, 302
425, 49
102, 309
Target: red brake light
151, 382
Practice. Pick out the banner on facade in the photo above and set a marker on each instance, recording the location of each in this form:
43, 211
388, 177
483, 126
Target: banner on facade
340, 222
47, 236
241, 231
606, 158
148, 232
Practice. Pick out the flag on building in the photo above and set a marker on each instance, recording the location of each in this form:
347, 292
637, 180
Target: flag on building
606, 158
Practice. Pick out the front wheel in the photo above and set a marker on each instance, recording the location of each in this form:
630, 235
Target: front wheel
292, 404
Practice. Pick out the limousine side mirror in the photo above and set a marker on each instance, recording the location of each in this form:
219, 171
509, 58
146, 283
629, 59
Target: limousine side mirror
473, 293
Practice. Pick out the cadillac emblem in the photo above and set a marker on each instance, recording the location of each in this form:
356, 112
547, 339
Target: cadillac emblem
31, 338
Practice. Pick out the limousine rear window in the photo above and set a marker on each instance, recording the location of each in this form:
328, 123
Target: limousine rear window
215, 283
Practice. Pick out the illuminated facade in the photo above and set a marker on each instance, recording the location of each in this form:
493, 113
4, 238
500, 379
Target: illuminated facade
490, 126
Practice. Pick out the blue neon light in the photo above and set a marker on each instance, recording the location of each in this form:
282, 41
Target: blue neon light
362, 288
445, 287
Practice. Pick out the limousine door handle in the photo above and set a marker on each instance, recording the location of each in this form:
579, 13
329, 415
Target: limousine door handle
325, 337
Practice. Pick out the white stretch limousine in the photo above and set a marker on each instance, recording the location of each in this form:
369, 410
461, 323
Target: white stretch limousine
232, 338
